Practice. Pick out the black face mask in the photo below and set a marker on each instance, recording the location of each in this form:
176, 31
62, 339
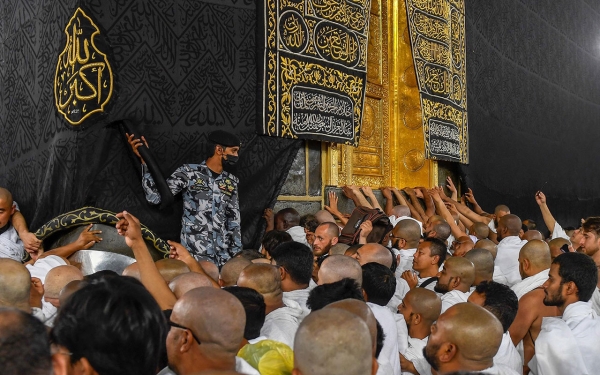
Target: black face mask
231, 159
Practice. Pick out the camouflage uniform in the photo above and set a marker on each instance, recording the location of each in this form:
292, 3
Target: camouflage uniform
210, 226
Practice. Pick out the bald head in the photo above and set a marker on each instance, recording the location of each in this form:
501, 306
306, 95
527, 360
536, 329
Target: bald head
555, 246
442, 230
330, 228
188, 281
462, 245
512, 223
216, 318
324, 216
264, 278
424, 302
132, 270
463, 325
286, 218
15, 284
483, 261
210, 268
409, 231
333, 342
459, 267
57, 278
232, 269
6, 196
501, 210
68, 290
171, 268
363, 311
374, 252
537, 254
533, 234
337, 267
401, 210
487, 245
480, 230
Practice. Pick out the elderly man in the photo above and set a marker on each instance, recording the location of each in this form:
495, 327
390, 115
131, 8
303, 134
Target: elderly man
283, 317
569, 344
454, 281
465, 338
333, 342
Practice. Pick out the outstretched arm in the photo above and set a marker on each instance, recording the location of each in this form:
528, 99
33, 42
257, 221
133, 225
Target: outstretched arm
360, 198
129, 227
179, 252
452, 188
86, 239
443, 211
413, 212
369, 194
549, 220
333, 207
471, 198
30, 241
415, 201
389, 200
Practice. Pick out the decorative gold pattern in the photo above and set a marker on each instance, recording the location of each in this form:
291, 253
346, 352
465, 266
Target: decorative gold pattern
414, 160
437, 34
92, 215
83, 83
315, 69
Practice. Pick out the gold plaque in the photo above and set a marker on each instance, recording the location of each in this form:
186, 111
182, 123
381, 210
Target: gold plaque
83, 83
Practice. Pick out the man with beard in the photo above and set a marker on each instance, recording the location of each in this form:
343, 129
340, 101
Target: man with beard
465, 338
454, 281
326, 235
569, 344
509, 246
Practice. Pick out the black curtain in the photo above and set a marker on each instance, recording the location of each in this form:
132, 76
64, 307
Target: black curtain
181, 70
533, 75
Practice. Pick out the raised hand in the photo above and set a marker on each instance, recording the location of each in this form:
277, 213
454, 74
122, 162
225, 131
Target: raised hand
136, 143
470, 197
540, 198
88, 237
333, 202
386, 192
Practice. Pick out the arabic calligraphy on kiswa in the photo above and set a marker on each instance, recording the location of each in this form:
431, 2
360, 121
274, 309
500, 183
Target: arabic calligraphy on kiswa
83, 83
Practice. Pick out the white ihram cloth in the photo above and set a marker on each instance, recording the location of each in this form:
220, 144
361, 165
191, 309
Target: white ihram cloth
11, 246
568, 345
281, 324
499, 276
402, 329
414, 353
508, 258
530, 283
452, 298
559, 232
40, 269
401, 290
298, 234
508, 355
389, 352
406, 260
299, 296
596, 301
241, 366
499, 370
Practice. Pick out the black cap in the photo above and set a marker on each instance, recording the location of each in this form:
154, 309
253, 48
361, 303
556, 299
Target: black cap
224, 138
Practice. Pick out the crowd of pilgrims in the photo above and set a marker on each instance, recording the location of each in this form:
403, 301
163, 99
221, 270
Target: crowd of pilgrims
446, 288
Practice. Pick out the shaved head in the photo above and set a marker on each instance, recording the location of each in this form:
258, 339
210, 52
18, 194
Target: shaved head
401, 210
483, 261
409, 230
462, 325
461, 267
501, 209
58, 278
487, 245
338, 249
537, 253
286, 218
324, 216
214, 316
6, 196
425, 302
533, 234
264, 278
337, 267
132, 270
171, 268
331, 228
188, 281
512, 223
480, 230
374, 252
15, 284
462, 245
68, 290
333, 342
442, 230
210, 268
555, 246
231, 270
363, 311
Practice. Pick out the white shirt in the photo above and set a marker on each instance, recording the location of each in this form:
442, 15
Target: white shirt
11, 246
559, 232
452, 298
492, 226
568, 345
406, 260
298, 234
244, 367
389, 352
499, 276
414, 353
299, 296
508, 355
596, 301
508, 258
281, 324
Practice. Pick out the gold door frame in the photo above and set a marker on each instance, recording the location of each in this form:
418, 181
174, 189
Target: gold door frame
391, 151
